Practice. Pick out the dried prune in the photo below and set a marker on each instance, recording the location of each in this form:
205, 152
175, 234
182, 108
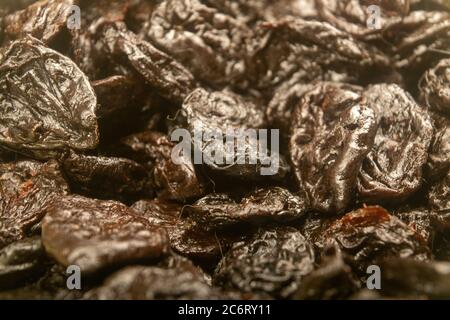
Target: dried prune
272, 262
43, 20
214, 46
435, 87
332, 132
95, 234
27, 188
438, 164
186, 237
333, 278
210, 117
371, 234
107, 177
47, 104
220, 211
175, 181
392, 171
159, 70
153, 283
439, 200
21, 261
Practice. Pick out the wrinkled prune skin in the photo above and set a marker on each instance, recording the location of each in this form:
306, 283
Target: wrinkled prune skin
186, 236
417, 279
435, 87
43, 20
153, 283
420, 220
332, 131
27, 188
220, 211
107, 177
317, 48
332, 279
159, 70
171, 181
353, 16
432, 5
271, 262
438, 164
214, 46
371, 234
95, 234
253, 11
47, 104
21, 261
392, 171
211, 113
439, 200
418, 42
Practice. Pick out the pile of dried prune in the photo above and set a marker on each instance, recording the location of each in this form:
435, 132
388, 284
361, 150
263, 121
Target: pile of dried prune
224, 149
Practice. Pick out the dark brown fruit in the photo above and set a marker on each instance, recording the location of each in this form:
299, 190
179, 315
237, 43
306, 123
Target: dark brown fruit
95, 234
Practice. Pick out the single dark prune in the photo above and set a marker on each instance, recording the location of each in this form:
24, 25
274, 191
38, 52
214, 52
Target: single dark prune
95, 234
219, 211
272, 262
332, 132
159, 70
435, 87
21, 261
210, 116
46, 102
370, 234
153, 283
417, 279
27, 188
439, 200
107, 177
333, 279
175, 181
43, 20
353, 16
392, 171
212, 45
186, 237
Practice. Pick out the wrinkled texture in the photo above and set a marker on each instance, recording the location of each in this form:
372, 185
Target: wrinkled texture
186, 237
371, 234
107, 177
27, 188
43, 20
332, 132
153, 283
52, 110
172, 181
435, 87
219, 211
392, 170
160, 71
272, 262
21, 261
95, 234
